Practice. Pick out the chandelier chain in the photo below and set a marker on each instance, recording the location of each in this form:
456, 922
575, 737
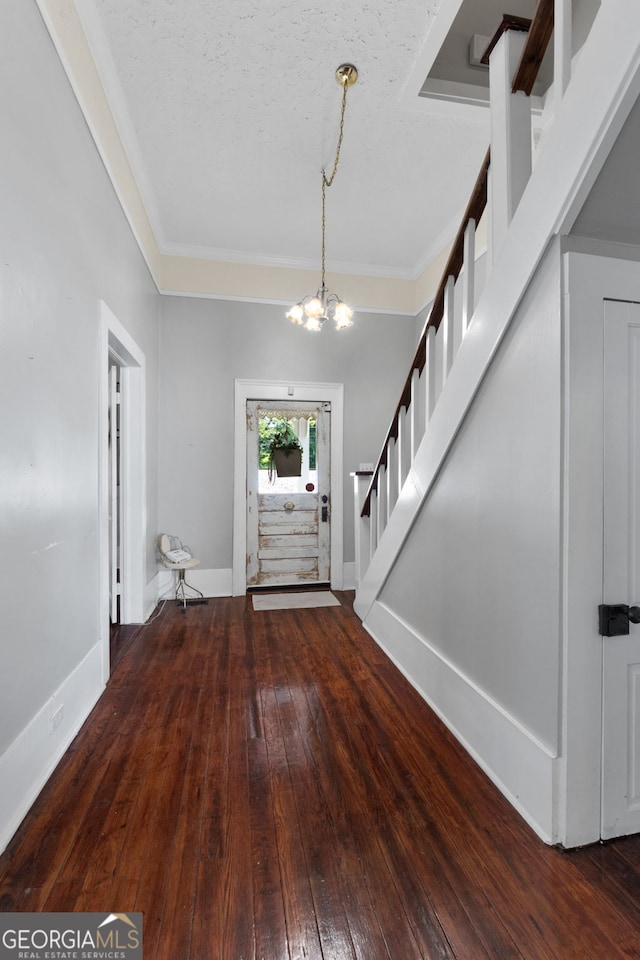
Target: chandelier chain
313, 309
327, 181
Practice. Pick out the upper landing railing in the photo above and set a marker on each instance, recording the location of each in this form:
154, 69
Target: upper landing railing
514, 66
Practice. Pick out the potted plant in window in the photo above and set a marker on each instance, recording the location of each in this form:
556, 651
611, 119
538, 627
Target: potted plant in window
285, 454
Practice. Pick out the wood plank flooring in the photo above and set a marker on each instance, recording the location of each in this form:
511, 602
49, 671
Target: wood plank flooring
267, 786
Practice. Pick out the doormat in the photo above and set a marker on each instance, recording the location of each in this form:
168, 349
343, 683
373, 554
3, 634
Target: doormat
294, 601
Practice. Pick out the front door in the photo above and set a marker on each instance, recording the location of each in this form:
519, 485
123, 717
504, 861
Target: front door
621, 654
288, 518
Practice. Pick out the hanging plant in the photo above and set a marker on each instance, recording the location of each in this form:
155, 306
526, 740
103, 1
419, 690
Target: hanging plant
285, 453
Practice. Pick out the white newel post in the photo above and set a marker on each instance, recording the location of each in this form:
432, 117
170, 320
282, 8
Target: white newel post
361, 483
510, 135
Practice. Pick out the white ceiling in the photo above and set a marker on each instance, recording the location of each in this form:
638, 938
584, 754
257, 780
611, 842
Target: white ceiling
229, 110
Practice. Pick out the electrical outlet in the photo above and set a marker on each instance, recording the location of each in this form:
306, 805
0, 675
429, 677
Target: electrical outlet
56, 718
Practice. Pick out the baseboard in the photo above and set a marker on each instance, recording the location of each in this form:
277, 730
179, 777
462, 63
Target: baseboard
349, 576
212, 583
517, 763
30, 760
153, 590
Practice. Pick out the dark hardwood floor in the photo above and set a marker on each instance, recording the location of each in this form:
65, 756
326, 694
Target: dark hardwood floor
120, 637
267, 786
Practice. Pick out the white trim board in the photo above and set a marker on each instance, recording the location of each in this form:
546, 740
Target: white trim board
437, 34
212, 582
588, 282
116, 341
64, 26
349, 575
216, 583
288, 391
153, 593
30, 760
515, 761
387, 311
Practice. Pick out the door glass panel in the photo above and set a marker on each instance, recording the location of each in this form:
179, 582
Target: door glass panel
305, 429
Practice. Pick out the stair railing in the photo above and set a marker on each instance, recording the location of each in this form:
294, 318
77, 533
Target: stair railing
392, 465
377, 493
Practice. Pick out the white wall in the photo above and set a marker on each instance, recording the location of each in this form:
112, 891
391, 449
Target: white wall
611, 212
477, 585
205, 346
64, 244
583, 15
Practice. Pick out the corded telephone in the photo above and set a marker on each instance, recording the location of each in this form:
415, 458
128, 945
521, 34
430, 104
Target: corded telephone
173, 550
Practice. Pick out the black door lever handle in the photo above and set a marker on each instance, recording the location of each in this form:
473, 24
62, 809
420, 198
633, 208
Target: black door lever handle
614, 619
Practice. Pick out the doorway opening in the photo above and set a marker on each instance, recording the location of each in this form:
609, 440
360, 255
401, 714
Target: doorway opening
123, 532
291, 395
288, 493
115, 496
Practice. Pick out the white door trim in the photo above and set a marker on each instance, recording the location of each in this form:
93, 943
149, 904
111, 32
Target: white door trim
117, 342
621, 654
115, 488
263, 504
588, 281
288, 391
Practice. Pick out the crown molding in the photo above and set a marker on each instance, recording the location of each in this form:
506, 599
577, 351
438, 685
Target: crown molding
105, 67
202, 272
280, 302
67, 34
278, 284
193, 252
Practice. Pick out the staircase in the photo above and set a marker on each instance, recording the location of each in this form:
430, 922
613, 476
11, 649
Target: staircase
523, 203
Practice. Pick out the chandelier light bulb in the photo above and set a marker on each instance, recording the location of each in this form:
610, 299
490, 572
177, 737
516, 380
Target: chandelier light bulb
296, 314
314, 309
342, 316
314, 323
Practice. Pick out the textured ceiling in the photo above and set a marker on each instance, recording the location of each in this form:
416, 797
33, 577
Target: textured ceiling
230, 110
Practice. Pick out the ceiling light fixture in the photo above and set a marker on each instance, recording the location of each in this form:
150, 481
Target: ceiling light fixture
314, 309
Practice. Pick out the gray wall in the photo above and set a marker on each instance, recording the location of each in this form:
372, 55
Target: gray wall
611, 211
64, 244
205, 346
583, 15
479, 577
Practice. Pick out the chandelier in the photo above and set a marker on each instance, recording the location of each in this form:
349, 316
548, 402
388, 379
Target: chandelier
315, 308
